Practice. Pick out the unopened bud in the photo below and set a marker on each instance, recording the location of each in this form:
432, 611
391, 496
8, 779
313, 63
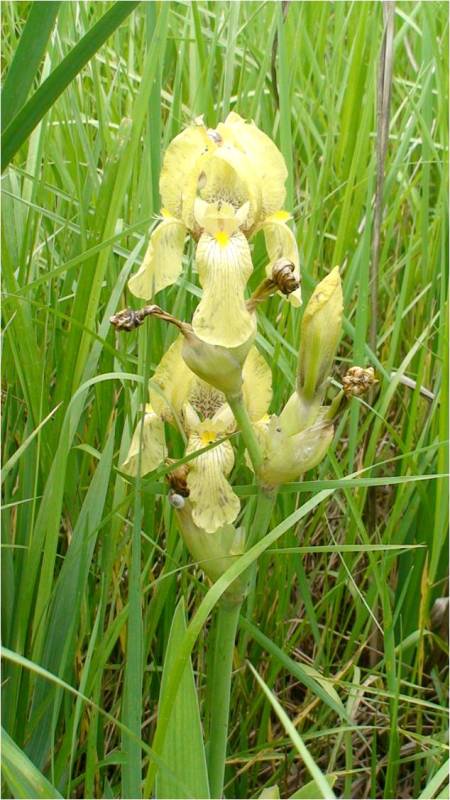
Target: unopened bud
214, 552
358, 381
320, 334
286, 458
221, 367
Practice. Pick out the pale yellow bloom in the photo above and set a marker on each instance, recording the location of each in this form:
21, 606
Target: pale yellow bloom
213, 501
222, 186
163, 260
224, 266
180, 397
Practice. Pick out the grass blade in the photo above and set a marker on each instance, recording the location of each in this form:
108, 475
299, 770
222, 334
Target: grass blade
19, 129
29, 53
320, 780
183, 747
21, 775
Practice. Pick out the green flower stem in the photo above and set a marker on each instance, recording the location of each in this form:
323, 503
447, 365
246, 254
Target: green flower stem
228, 616
225, 634
226, 626
245, 425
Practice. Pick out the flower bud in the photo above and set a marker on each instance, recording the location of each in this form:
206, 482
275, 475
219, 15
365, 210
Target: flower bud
214, 552
219, 366
286, 458
320, 334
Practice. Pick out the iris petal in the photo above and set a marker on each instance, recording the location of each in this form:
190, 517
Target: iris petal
179, 160
171, 383
213, 501
149, 439
224, 266
257, 384
162, 262
263, 154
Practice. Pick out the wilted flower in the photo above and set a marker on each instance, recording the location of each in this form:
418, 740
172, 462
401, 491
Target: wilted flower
358, 380
222, 186
179, 396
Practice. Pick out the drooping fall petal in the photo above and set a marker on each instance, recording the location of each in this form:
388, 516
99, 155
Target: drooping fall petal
171, 383
213, 501
224, 266
149, 439
257, 384
162, 262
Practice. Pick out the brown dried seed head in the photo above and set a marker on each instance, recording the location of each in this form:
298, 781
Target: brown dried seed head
126, 320
358, 380
283, 276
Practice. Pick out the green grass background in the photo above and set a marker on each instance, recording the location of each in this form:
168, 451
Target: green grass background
92, 568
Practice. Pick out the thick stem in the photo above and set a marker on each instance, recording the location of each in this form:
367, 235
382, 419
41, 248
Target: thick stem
244, 423
226, 627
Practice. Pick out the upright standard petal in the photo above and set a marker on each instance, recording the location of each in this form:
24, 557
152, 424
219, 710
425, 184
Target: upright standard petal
281, 243
163, 260
264, 156
171, 383
213, 501
223, 176
257, 384
179, 161
224, 266
148, 438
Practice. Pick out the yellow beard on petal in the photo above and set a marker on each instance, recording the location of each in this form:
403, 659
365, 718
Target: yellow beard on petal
222, 238
207, 437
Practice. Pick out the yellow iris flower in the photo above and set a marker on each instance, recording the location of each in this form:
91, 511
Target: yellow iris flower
222, 186
178, 396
